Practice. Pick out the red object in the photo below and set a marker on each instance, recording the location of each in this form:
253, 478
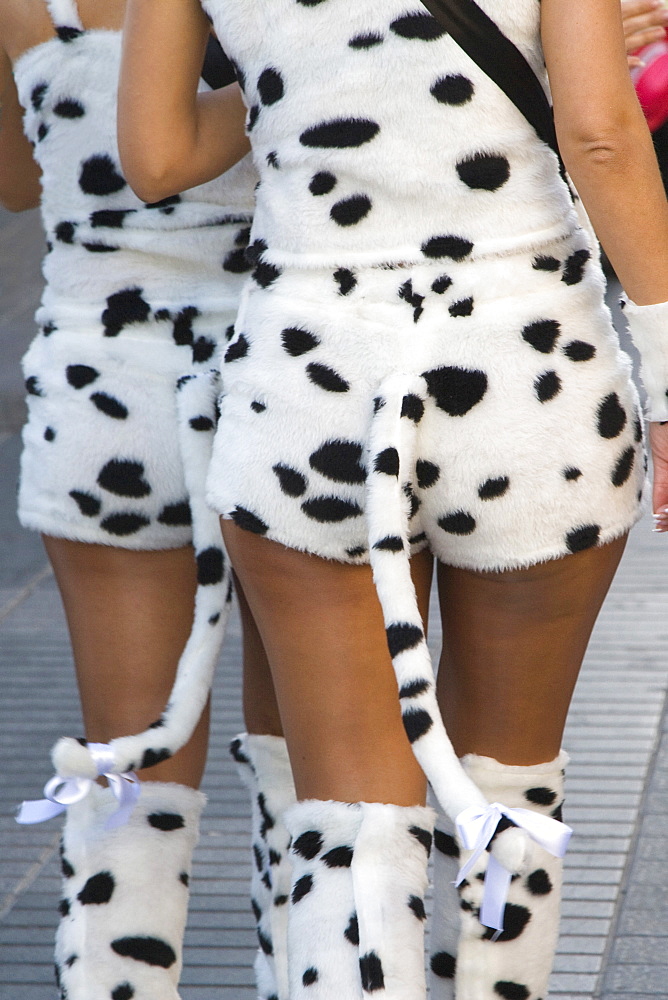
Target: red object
651, 82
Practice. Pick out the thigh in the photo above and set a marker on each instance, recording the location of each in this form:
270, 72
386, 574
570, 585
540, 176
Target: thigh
322, 627
513, 643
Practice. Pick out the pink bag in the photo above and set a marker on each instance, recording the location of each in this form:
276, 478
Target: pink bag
651, 82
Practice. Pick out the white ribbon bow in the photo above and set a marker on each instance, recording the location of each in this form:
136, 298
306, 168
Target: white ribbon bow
477, 826
63, 792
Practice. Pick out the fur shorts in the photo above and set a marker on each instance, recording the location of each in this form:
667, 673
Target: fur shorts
526, 430
101, 460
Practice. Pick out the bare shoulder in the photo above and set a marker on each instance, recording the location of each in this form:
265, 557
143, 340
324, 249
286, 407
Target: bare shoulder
23, 23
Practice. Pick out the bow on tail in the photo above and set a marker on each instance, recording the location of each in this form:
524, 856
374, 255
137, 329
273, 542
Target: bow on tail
60, 793
476, 827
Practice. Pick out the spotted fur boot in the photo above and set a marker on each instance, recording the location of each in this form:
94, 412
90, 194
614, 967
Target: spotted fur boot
264, 768
125, 895
517, 965
356, 920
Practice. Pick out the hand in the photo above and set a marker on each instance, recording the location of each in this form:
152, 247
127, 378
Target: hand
658, 440
644, 21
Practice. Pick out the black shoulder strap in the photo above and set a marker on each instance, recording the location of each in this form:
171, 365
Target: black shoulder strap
217, 69
499, 59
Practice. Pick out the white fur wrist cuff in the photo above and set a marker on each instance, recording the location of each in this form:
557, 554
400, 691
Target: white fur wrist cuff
648, 326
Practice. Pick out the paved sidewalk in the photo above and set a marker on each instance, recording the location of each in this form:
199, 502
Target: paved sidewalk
614, 943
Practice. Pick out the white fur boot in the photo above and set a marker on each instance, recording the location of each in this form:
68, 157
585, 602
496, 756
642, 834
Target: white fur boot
517, 965
125, 894
264, 768
356, 922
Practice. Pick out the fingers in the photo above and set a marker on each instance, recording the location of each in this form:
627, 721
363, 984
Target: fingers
644, 22
658, 437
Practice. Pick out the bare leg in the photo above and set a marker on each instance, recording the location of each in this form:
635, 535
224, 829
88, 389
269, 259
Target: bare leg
325, 640
261, 713
129, 615
512, 649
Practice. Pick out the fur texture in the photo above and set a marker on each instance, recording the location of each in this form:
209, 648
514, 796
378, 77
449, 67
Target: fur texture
647, 326
125, 895
517, 966
264, 768
444, 927
356, 921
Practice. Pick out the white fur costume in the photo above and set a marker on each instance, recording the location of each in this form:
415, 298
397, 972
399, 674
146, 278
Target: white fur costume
423, 355
136, 295
125, 894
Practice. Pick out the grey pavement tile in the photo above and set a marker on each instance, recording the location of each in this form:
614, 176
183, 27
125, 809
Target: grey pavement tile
590, 891
582, 945
585, 908
565, 963
591, 875
640, 922
652, 979
640, 951
572, 982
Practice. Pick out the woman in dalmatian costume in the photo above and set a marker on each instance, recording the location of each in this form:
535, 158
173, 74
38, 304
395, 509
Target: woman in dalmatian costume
422, 366
137, 295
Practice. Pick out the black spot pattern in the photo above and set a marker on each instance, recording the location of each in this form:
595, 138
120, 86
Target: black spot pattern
611, 416
443, 965
484, 171
124, 308
511, 991
123, 992
387, 462
418, 26
331, 510
539, 883
456, 390
308, 845
416, 722
340, 133
584, 537
413, 689
310, 976
515, 919
493, 488
37, 95
454, 89
297, 341
153, 757
99, 175
325, 377
270, 86
124, 478
109, 405
249, 521
338, 857
454, 247
238, 349
459, 522
575, 266
322, 183
166, 821
461, 308
64, 232
422, 836
391, 543
98, 889
427, 473
547, 386
417, 906
292, 483
446, 844
301, 888
210, 566
79, 376
623, 467
542, 335
352, 931
339, 461
367, 41
579, 350
371, 971
350, 211
69, 108
151, 950
571, 474
402, 636
346, 280
412, 407
545, 262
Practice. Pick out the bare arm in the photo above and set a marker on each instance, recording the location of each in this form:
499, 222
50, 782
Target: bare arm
608, 152
171, 138
19, 174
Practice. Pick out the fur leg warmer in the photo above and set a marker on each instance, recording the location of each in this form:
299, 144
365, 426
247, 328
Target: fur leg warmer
517, 965
264, 768
125, 894
356, 923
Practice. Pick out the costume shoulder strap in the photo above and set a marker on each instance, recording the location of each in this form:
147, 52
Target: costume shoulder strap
65, 16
